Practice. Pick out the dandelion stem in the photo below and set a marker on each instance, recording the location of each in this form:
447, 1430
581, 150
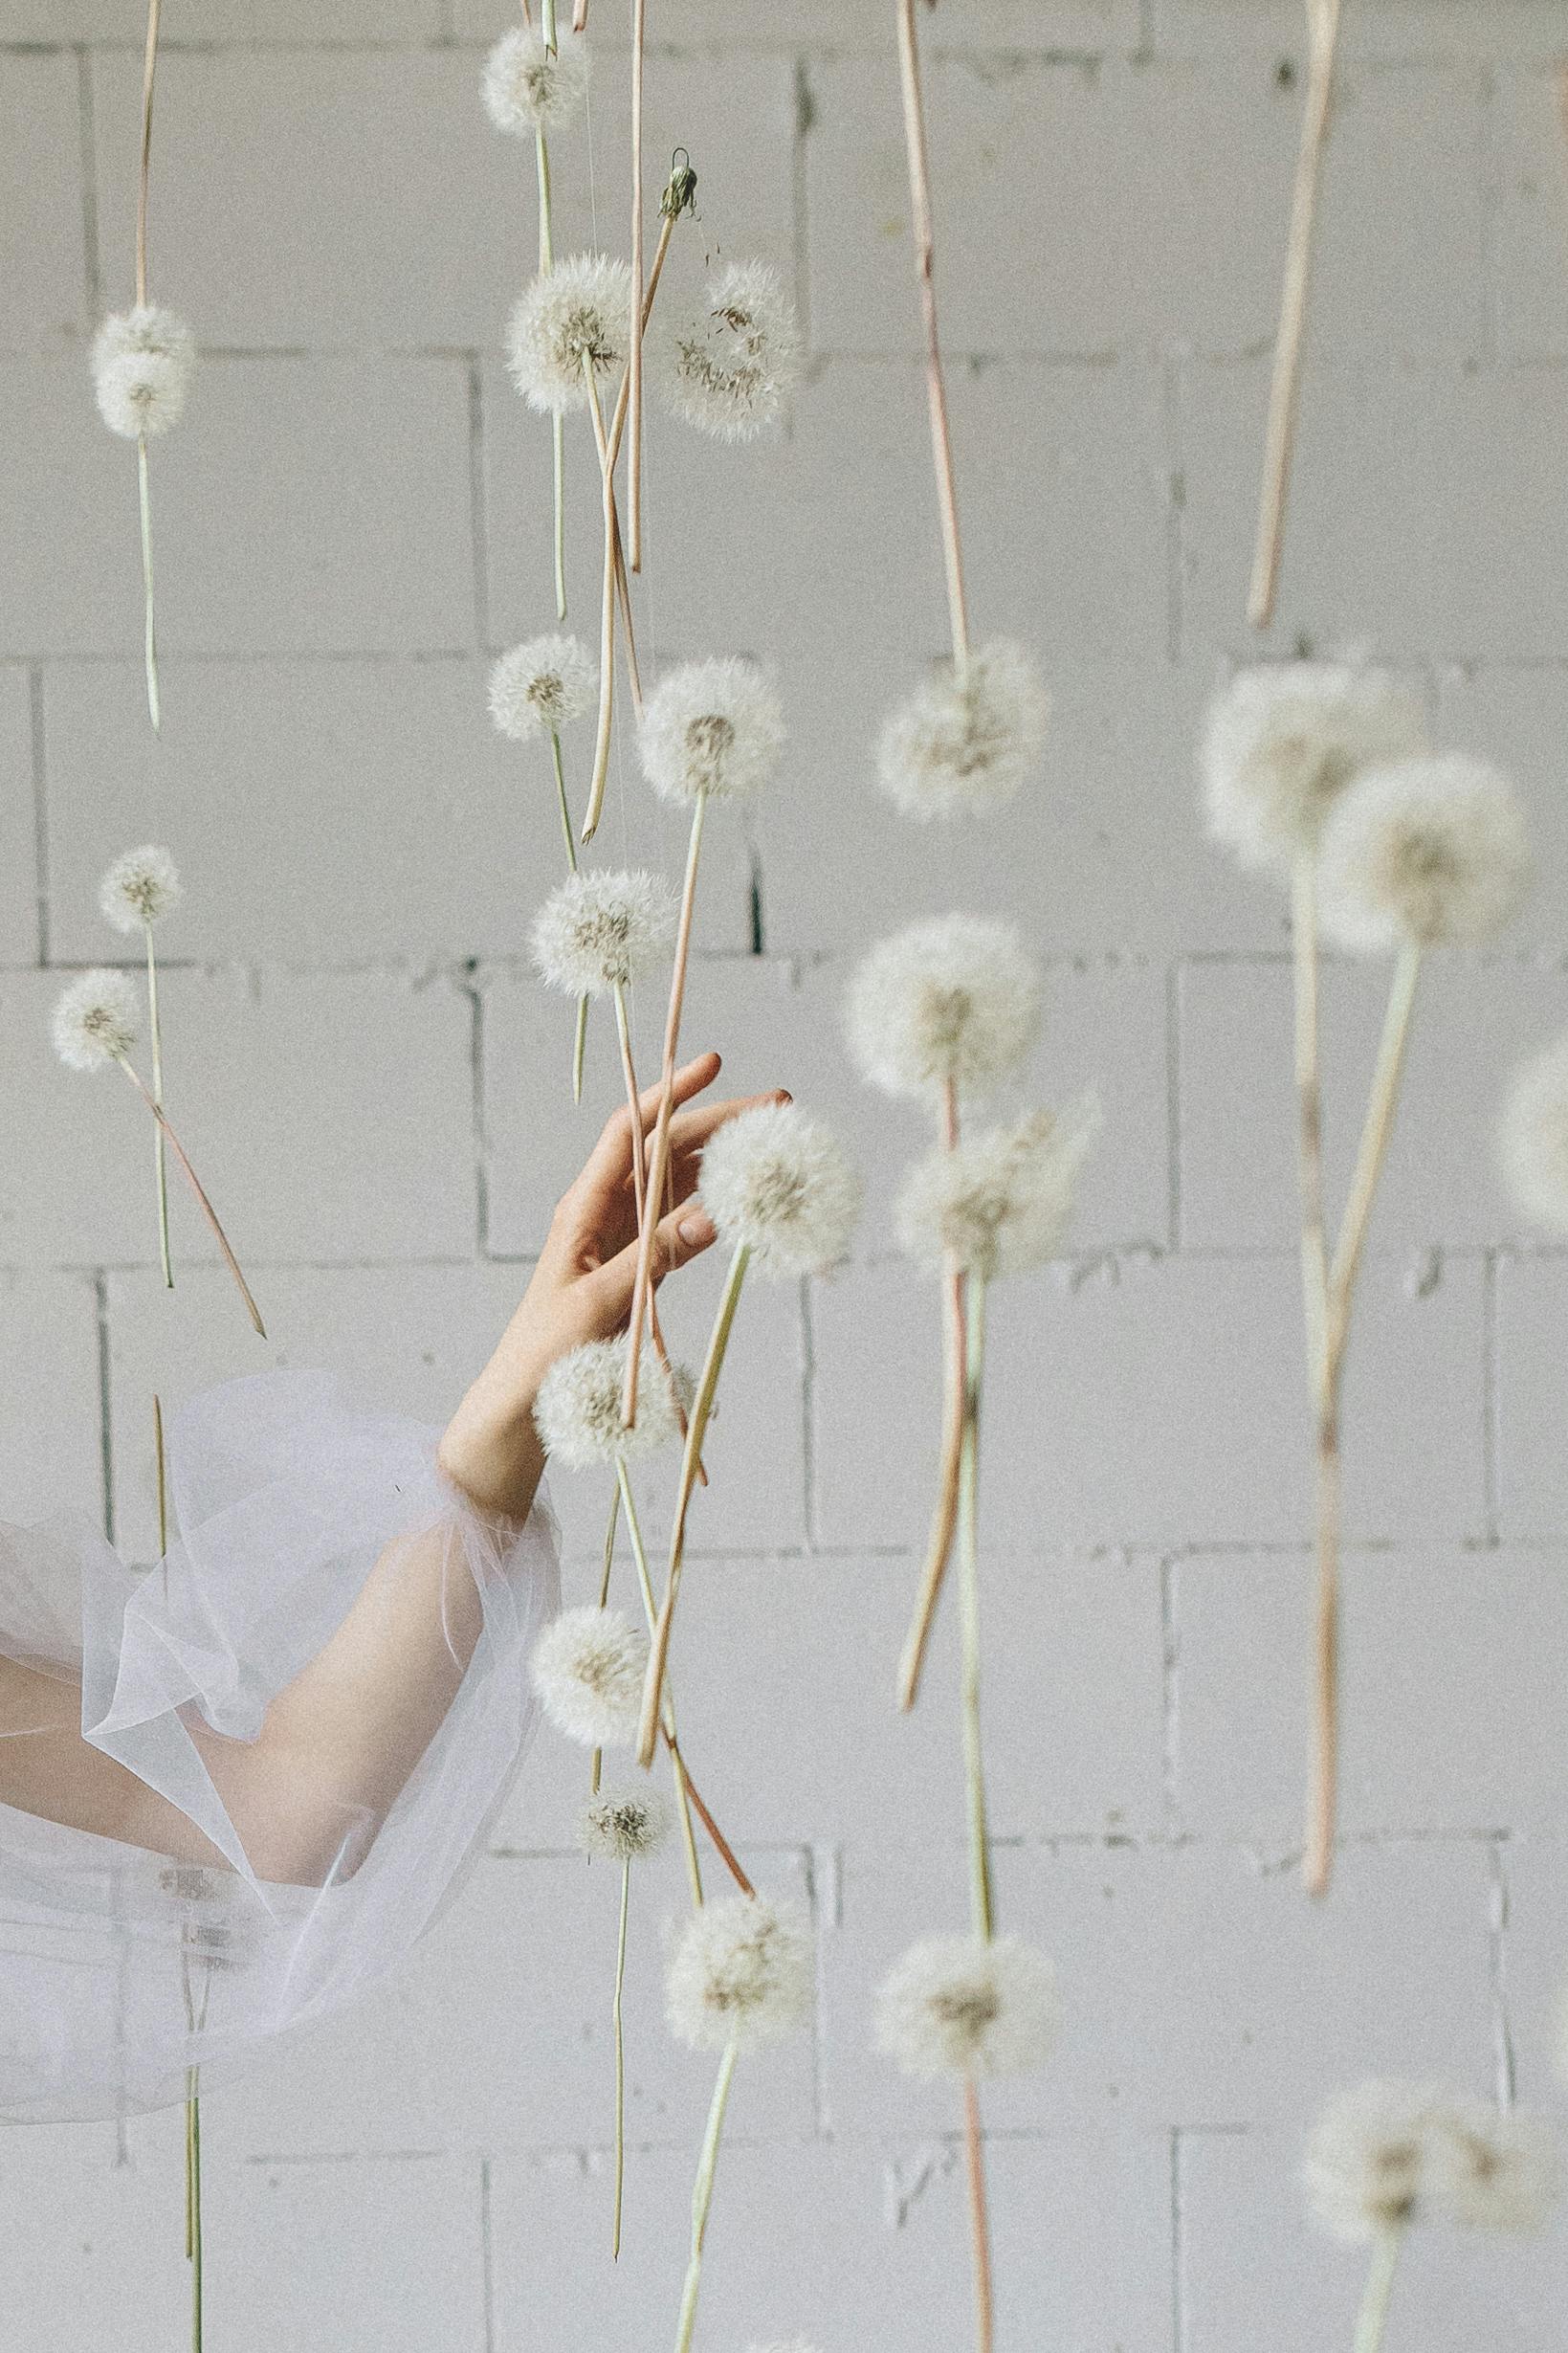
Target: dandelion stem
1375, 1135
1314, 1268
606, 613
193, 2164
149, 70
580, 1048
667, 1710
659, 1163
944, 1519
194, 1181
620, 2058
974, 2151
149, 626
701, 1407
925, 262
562, 800
634, 1112
702, 2198
1279, 437
160, 1156
546, 258
598, 1772
1380, 2287
974, 1763
634, 369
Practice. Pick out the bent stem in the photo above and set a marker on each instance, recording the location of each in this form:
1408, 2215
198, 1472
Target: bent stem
702, 2198
667, 1712
658, 1168
1380, 2287
702, 1409
974, 1764
149, 629
159, 1155
974, 2150
925, 262
620, 2059
945, 1521
1279, 436
606, 613
207, 1210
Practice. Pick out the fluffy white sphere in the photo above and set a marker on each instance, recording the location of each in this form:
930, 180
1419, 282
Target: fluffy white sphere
140, 888
1368, 2162
1284, 740
622, 1825
740, 1972
713, 727
541, 687
528, 87
955, 999
999, 1204
965, 740
1532, 1139
142, 362
587, 1668
574, 316
600, 930
776, 1184
729, 368
96, 1020
578, 1411
965, 2006
1433, 851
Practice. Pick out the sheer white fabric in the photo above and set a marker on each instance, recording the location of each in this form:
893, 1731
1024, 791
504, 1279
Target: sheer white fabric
119, 1968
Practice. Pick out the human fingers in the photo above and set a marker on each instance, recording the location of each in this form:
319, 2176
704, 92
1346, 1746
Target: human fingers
609, 1166
682, 1235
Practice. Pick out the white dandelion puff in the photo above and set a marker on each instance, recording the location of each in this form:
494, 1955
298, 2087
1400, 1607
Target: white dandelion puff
1532, 1139
1284, 738
600, 931
1430, 853
777, 1185
1000, 1201
952, 1001
741, 1974
587, 1668
96, 1020
968, 2006
1368, 2166
623, 1826
730, 367
1492, 2170
574, 316
540, 687
578, 1409
529, 87
139, 889
966, 740
143, 363
712, 728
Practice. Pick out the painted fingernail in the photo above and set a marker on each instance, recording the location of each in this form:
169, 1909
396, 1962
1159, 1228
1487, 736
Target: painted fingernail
697, 1229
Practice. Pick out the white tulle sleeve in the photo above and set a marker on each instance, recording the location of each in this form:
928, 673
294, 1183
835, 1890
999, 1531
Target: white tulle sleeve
123, 1967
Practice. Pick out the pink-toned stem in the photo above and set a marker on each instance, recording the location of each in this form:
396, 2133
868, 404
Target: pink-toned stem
925, 262
579, 17
207, 1210
149, 70
634, 1112
974, 2151
721, 1845
635, 371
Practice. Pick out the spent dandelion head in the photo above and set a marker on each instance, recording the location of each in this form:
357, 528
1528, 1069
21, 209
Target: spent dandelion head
623, 1826
587, 1669
730, 366
968, 2006
1284, 738
578, 1409
713, 729
600, 930
954, 1001
998, 1203
967, 738
143, 363
139, 889
1431, 852
1368, 2166
528, 87
740, 1972
540, 687
1532, 1139
777, 1185
96, 1020
1494, 2169
576, 316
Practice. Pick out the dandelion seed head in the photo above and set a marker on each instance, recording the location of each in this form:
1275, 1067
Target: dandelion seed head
622, 1825
713, 727
600, 930
1532, 1139
1491, 2170
776, 1182
587, 1668
140, 888
575, 315
1284, 738
1000, 1202
966, 740
730, 367
740, 1972
1368, 2164
968, 2006
578, 1411
1433, 851
96, 1020
142, 362
542, 686
528, 87
957, 998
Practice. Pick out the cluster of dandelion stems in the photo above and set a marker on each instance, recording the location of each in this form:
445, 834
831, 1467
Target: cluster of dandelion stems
1328, 1288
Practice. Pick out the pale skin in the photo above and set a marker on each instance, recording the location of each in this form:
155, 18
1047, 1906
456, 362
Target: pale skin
340, 1741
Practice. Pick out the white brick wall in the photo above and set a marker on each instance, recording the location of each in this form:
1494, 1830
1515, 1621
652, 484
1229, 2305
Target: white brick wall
350, 522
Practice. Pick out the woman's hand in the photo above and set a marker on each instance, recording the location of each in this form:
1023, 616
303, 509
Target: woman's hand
581, 1288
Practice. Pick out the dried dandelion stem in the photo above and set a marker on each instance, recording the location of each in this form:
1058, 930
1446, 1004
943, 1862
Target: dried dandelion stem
701, 1407
597, 1772
150, 72
207, 1210
193, 2194
944, 1519
1315, 1267
1380, 2287
702, 2198
149, 626
1375, 1135
546, 259
160, 1151
635, 365
666, 1719
1284, 392
925, 262
658, 1170
634, 1112
620, 2058
606, 613
974, 2151
974, 1762
580, 1034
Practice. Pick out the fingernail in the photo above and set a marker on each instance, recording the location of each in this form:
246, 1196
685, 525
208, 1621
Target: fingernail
695, 1230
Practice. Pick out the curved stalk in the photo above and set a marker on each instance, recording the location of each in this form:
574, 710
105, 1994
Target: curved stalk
206, 1206
702, 2198
945, 1521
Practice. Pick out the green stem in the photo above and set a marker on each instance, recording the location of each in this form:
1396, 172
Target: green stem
666, 1708
150, 634
193, 2202
561, 797
974, 1765
160, 1152
620, 2061
580, 1048
1380, 2287
702, 2198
